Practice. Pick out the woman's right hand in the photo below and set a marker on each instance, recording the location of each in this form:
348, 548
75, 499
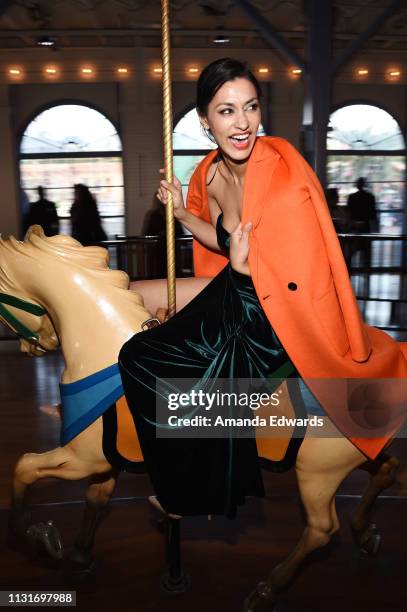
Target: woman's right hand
177, 198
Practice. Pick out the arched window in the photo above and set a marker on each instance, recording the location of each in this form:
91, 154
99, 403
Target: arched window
191, 145
68, 144
366, 141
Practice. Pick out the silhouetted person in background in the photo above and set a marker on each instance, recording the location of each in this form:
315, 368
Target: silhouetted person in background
362, 209
339, 214
24, 209
44, 213
154, 221
85, 219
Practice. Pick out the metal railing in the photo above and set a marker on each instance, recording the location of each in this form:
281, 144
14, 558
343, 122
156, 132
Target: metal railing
377, 265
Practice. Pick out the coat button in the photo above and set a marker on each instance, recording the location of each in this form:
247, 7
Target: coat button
292, 286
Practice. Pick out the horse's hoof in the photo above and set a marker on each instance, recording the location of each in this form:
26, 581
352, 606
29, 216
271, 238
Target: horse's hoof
261, 599
45, 538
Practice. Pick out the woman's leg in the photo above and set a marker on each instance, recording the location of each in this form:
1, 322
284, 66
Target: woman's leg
154, 292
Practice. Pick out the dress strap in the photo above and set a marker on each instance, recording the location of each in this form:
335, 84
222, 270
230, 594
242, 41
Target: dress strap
217, 160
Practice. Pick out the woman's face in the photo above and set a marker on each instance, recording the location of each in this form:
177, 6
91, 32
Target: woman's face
234, 117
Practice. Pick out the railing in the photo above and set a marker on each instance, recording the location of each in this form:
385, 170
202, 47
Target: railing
377, 265
144, 257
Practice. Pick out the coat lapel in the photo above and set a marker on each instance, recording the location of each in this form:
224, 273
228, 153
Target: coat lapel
260, 169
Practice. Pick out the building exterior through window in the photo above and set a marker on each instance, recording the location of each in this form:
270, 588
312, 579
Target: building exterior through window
73, 143
366, 141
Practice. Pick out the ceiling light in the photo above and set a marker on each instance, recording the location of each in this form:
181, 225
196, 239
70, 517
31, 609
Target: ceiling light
263, 70
158, 70
51, 70
47, 42
296, 71
14, 71
87, 70
394, 73
193, 70
123, 70
363, 71
221, 40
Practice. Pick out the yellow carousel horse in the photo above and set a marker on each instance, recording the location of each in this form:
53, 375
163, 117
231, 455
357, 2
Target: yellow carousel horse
54, 292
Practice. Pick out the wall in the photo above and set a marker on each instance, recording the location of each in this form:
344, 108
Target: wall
133, 102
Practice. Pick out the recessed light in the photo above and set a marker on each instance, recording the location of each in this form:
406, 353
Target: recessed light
51, 70
47, 42
123, 70
363, 71
221, 40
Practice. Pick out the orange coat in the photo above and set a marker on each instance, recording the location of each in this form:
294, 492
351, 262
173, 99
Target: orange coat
303, 285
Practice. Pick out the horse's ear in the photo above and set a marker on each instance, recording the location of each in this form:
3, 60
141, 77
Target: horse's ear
36, 230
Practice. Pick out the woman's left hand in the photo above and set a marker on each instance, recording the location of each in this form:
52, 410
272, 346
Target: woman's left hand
239, 248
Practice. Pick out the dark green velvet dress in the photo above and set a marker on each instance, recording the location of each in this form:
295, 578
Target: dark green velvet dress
222, 333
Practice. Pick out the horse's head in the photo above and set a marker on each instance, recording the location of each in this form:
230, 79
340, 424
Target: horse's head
73, 287
19, 311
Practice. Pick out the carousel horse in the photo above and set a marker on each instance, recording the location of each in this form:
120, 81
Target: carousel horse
54, 292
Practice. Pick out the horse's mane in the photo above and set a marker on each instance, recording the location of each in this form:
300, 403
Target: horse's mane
36, 247
92, 259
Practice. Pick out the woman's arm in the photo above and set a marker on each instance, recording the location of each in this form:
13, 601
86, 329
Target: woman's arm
200, 229
203, 231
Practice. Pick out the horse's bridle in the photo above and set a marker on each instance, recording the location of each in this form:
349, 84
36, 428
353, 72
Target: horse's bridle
21, 330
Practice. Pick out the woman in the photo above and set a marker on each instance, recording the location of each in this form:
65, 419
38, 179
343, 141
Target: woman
86, 225
257, 203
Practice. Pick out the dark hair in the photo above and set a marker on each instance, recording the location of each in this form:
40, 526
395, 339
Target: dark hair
84, 196
217, 74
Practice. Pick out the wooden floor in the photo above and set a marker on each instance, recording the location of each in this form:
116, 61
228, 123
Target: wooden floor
225, 558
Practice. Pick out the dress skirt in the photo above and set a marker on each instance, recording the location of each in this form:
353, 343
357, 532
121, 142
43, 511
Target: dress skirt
222, 333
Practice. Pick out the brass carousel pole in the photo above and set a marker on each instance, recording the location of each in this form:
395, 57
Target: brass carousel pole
168, 157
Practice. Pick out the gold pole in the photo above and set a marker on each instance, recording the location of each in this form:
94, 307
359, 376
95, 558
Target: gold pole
168, 159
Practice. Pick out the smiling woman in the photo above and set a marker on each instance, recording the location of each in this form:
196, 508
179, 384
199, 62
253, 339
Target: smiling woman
191, 143
223, 332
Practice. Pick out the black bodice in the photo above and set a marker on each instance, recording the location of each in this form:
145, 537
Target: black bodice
223, 235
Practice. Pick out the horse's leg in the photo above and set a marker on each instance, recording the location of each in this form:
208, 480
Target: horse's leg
383, 472
322, 465
98, 494
62, 462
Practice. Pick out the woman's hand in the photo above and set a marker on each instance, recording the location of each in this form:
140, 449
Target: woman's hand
176, 190
239, 248
162, 314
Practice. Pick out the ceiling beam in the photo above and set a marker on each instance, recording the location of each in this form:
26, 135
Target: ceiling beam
269, 34
5, 5
358, 43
